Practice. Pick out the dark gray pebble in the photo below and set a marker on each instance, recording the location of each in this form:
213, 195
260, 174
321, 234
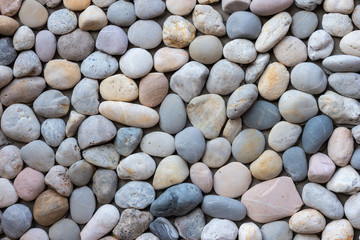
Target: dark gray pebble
7, 51
163, 229
223, 207
262, 115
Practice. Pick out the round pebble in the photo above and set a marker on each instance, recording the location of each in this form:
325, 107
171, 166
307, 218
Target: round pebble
138, 166
290, 51
121, 13
99, 65
33, 14
331, 230
181, 9
16, 220
29, 184
112, 40
119, 88
308, 77
321, 168
145, 34
243, 24
240, 51
262, 115
146, 9
283, 135
81, 172
304, 24
24, 38
267, 166
206, 49
8, 194
295, 163
85, 97
170, 59
62, 74
190, 144
92, 18
217, 152
308, 221
223, 228
136, 63
158, 144
248, 139
62, 22
51, 104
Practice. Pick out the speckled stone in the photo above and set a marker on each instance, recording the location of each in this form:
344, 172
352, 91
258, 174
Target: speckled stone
58, 179
206, 49
24, 38
331, 230
82, 205
295, 163
65, 228
92, 18
191, 225
308, 221
164, 229
112, 40
127, 139
178, 32
320, 45
7, 50
85, 97
10, 7
119, 88
172, 114
304, 24
262, 115
337, 24
138, 166
81, 172
276, 230
27, 64
10, 162
208, 21
62, 21
145, 34
51, 104
190, 144
121, 13
99, 65
45, 38
16, 220
243, 24
308, 5
135, 194
104, 185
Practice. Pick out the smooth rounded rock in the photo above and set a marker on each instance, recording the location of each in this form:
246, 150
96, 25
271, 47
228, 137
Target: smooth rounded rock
337, 24
349, 44
201, 176
342, 63
99, 65
241, 100
62, 22
153, 88
5, 75
127, 139
181, 9
112, 40
243, 24
331, 230
240, 51
340, 146
29, 184
345, 180
206, 49
351, 209
7, 50
92, 18
295, 163
53, 131
320, 45
45, 38
191, 225
343, 6
85, 97
135, 194
33, 14
138, 166
290, 51
308, 77
268, 7
16, 220
146, 9
217, 152
308, 221
103, 156
65, 228
267, 166
346, 84
62, 74
68, 152
121, 13
190, 144
262, 115
304, 24
223, 207
82, 205
81, 172
170, 59
219, 228
103, 3
321, 168
208, 21
104, 185
8, 193
172, 114
10, 162
10, 8
75, 46
27, 64
51, 104
136, 63
355, 158
35, 234
76, 5
178, 32
158, 144
119, 88
283, 135
248, 139
249, 230
276, 230
231, 6
24, 38
145, 34
355, 17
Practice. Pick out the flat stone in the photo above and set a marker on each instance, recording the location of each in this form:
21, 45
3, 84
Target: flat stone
208, 21
135, 194
170, 59
276, 230
104, 156
62, 74
248, 139
29, 184
7, 193
240, 51
190, 144
267, 166
337, 24
146, 9
181, 9
304, 24
153, 88
104, 185
191, 225
331, 230
136, 63
5, 76
99, 65
53, 131
58, 179
27, 64
249, 230
351, 209
81, 172
68, 152
320, 45
51, 104
268, 7
7, 50
219, 228
342, 63
24, 38
343, 6
127, 140
178, 32
243, 24
34, 234
308, 221
65, 228
62, 22
73, 123
206, 49
308, 77
262, 115
158, 144
272, 200
308, 5
231, 6
137, 166
145, 34
295, 163
223, 207
10, 162
10, 7
172, 114
112, 40
82, 205
290, 51
85, 97
45, 38
346, 84
33, 14
76, 5
164, 229
121, 13
16, 220
217, 152
92, 18
283, 135
257, 67
201, 176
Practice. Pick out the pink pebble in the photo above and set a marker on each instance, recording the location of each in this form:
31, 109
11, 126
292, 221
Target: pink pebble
201, 176
321, 168
35, 234
341, 146
29, 184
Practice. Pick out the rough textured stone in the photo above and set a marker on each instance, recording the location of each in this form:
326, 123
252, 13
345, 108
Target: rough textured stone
51, 104
240, 51
24, 38
219, 228
68, 152
7, 50
10, 7
178, 32
331, 230
8, 194
10, 162
127, 139
104, 185
81, 172
191, 225
308, 221
208, 21
257, 67
164, 229
62, 22
320, 45
58, 179
337, 24
135, 194
308, 5
27, 64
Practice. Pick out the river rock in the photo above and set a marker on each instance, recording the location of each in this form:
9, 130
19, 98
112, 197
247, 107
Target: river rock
272, 200
274, 81
267, 166
35, 234
53, 131
295, 163
104, 185
342, 63
349, 45
206, 49
223, 207
262, 115
170, 171
62, 22
283, 135
257, 67
68, 152
337, 24
276, 230
138, 166
65, 228
16, 220
201, 176
217, 152
58, 179
104, 156
181, 9
164, 229
45, 38
170, 59
92, 18
178, 32
145, 34
99, 65
75, 46
308, 221
240, 51
304, 24
135, 194
84, 98
62, 74
27, 64
308, 5
248, 139
153, 88
320, 45
112, 40
127, 139
191, 225
308, 77
231, 6
136, 63
345, 180
81, 172
249, 230
7, 193
189, 80
331, 230
10, 162
355, 158
172, 114
146, 9
346, 84
321, 168
51, 104
10, 8
29, 184
7, 50
208, 21
344, 6
351, 208
121, 13
266, 8
158, 144
341, 146
33, 14
82, 205
119, 88
24, 38
243, 24
5, 75
190, 144
219, 228
76, 5
355, 17
145, 236
290, 51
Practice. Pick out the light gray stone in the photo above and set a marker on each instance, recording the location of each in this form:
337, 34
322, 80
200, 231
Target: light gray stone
147, 9
208, 21
112, 40
10, 162
73, 123
346, 84
257, 67
304, 24
27, 64
24, 38
276, 230
240, 51
51, 104
243, 24
85, 97
53, 131
241, 100
99, 65
38, 155
6, 75
158, 144
64, 229
219, 228
62, 21
81, 172
136, 63
172, 114
308, 5
337, 24
138, 166
342, 63
68, 152
309, 77
135, 194
82, 204
104, 185
103, 156
145, 34
121, 13
190, 144
320, 45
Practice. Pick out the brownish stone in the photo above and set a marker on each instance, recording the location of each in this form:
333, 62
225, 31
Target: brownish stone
153, 88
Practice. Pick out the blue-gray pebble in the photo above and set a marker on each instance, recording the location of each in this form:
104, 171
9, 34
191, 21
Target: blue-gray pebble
99, 65
163, 229
127, 139
16, 220
135, 194
295, 163
177, 200
190, 144
172, 114
347, 84
81, 172
64, 229
355, 159
85, 97
82, 204
303, 24
53, 131
262, 115
223, 207
145, 34
7, 51
342, 63
243, 24
316, 131
278, 230
121, 13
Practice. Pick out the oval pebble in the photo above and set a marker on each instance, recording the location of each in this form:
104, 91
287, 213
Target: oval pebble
10, 162
304, 24
104, 185
206, 49
62, 22
85, 97
81, 172
62, 74
262, 115
82, 205
295, 163
121, 13
135, 194
283, 135
346, 84
53, 131
201, 176
248, 139
217, 152
16, 220
8, 51
153, 88
33, 14
170, 59
99, 65
240, 51
136, 63
29, 184
145, 34
7, 193
51, 104
349, 44
138, 166
190, 144
331, 230
308, 77
65, 228
158, 144
267, 166
290, 51
219, 228
223, 207
308, 221
24, 38
243, 24
268, 7
45, 38
112, 40
172, 114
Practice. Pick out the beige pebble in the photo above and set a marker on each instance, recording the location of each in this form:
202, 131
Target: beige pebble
249, 231
337, 24
33, 14
170, 59
338, 230
232, 129
178, 32
201, 176
339, 6
76, 5
284, 135
92, 18
153, 88
8, 25
62, 74
11, 7
290, 51
208, 21
180, 8
217, 152
119, 88
137, 166
58, 179
306, 237
73, 123
341, 146
308, 221
8, 195
267, 166
350, 43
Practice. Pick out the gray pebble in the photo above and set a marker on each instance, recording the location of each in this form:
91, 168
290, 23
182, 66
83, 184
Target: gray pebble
342, 63
112, 40
241, 100
16, 220
308, 5
85, 97
45, 38
7, 51
27, 64
190, 144
103, 3
104, 156
262, 115
62, 21
20, 123
5, 75
104, 185
64, 229
243, 24
163, 229
347, 84
223, 207
256, 68
320, 45
81, 172
121, 13
278, 230
304, 24
316, 196
82, 204
1, 230
355, 159
68, 152
337, 24
95, 130
172, 114
355, 131
308, 77
147, 9
136, 63
295, 163
145, 34
240, 51
248, 138
135, 194
127, 139
75, 46
51, 104
206, 19
24, 38
53, 131
11, 163
38, 155
99, 65
191, 225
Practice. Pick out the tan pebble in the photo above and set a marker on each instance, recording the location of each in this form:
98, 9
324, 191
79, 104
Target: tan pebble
153, 88
208, 21
76, 5
217, 152
308, 221
267, 166
350, 43
178, 32
119, 88
339, 6
338, 230
33, 14
170, 59
8, 25
341, 146
290, 51
232, 129
92, 18
201, 176
72, 125
62, 74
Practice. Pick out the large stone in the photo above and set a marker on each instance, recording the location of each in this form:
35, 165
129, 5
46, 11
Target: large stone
290, 51
153, 88
51, 104
145, 34
320, 45
170, 59
240, 51
27, 64
342, 63
309, 77
24, 38
82, 205
206, 49
337, 24
346, 84
304, 24
345, 180
331, 230
16, 220
112, 40
135, 194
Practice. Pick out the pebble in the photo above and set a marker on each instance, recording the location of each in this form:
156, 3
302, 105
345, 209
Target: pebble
16, 220
81, 172
245, 140
138, 166
191, 225
283, 135
208, 114
27, 64
217, 152
50, 3
304, 24
130, 114
53, 131
68, 152
273, 31
201, 176
103, 221
262, 115
219, 228
267, 166
334, 105
29, 184
290, 51
19, 122
342, 63
341, 146
320, 45
355, 158
145, 34
75, 46
51, 104
10, 7
206, 49
355, 17
62, 74
257, 67
92, 18
178, 32
295, 163
49, 207
331, 230
170, 59
76, 5
146, 9
240, 51
5, 76
104, 185
33, 14
351, 209
135, 194
65, 228
306, 237
24, 38
85, 97
103, 131
180, 8
112, 40
190, 144
308, 77
73, 123
207, 1
136, 63
82, 205
121, 13
345, 180
328, 205
45, 38
172, 114
35, 234
127, 139
308, 221
208, 21
153, 88
145, 236
224, 184
158, 144
346, 84
119, 88
164, 229
132, 224
243, 24
10, 162
231, 6
268, 7
62, 22
349, 45
308, 5
104, 156
224, 78
343, 6
337, 24
7, 50
99, 65
276, 230
223, 207
186, 85
170, 171
272, 200
58, 179
297, 107
8, 194
249, 230
321, 168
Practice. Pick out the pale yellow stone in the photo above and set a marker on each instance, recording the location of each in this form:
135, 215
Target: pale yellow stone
338, 230
76, 5
62, 74
267, 166
339, 6
178, 32
119, 88
181, 8
92, 19
308, 221
170, 59
8, 25
249, 231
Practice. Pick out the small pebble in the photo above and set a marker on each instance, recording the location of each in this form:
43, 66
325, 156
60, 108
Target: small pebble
112, 40
146, 9
82, 205
290, 51
248, 139
331, 230
62, 22
85, 97
121, 13
99, 65
219, 228
231, 6
223, 207
308, 77
304, 24
92, 18
65, 228
29, 184
153, 88
342, 6
158, 144
206, 49
58, 179
295, 163
345, 180
164, 229
136, 63
145, 34
249, 230
7, 50
103, 156
240, 51
68, 152
5, 75
76, 5
45, 38
178, 32
135, 194
145, 236
24, 39
283, 135
191, 225
276, 230
208, 21
346, 84
172, 114
321, 168
268, 7
62, 74
341, 146
267, 166
127, 139
349, 44
103, 3
27, 64
217, 152
262, 115
16, 220
308, 221
180, 8
53, 131
241, 100
356, 16
8, 195
33, 14
201, 176
320, 45
75, 46
243, 24
257, 67
104, 185
170, 59
51, 104
190, 144
35, 234
138, 166
81, 172
308, 5
337, 24
10, 162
